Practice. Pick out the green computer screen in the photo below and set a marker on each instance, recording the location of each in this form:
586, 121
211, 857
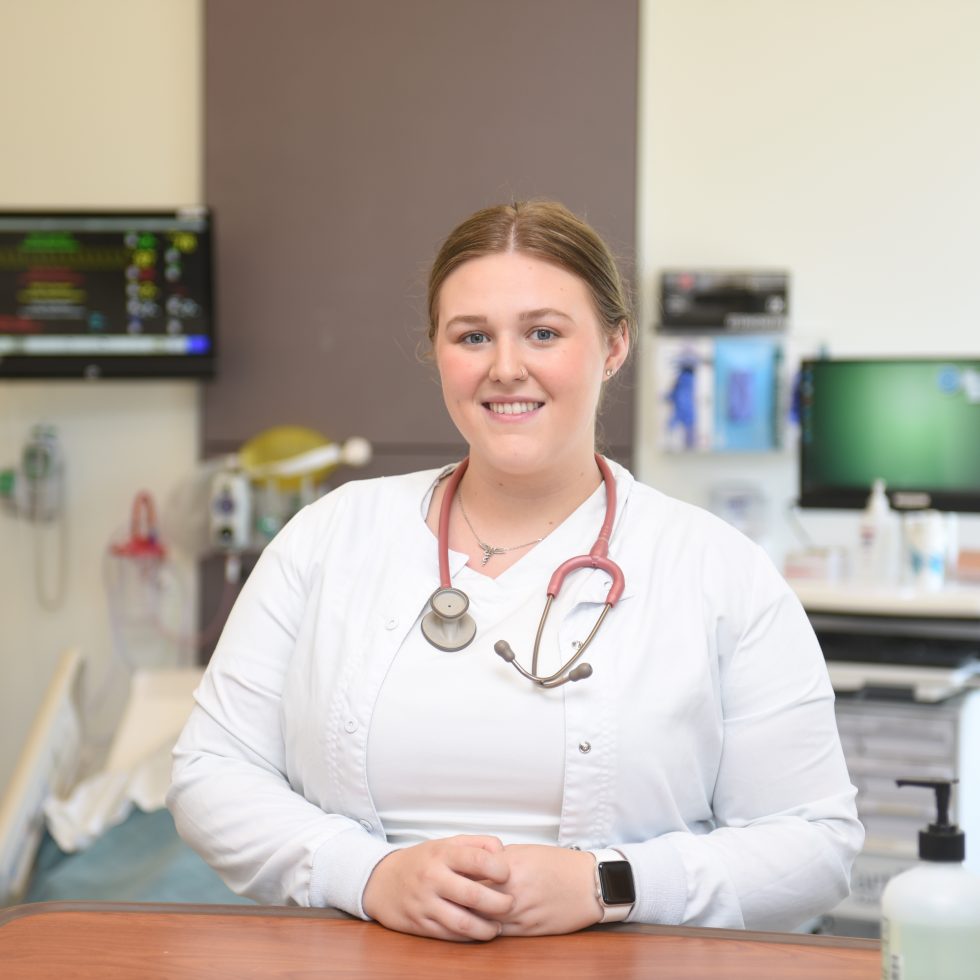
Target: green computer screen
913, 423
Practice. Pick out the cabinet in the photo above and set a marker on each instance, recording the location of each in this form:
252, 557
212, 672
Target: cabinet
906, 669
885, 740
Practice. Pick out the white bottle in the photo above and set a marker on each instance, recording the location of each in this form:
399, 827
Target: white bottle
927, 550
876, 558
930, 925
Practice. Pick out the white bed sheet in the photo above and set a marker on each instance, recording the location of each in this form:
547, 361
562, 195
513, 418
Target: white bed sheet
137, 769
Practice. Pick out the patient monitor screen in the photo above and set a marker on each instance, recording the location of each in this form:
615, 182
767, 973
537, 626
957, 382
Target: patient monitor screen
913, 423
121, 294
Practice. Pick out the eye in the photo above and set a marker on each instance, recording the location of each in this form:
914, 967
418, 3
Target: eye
543, 334
472, 339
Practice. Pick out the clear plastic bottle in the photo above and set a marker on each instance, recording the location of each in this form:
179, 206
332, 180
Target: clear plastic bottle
876, 556
930, 926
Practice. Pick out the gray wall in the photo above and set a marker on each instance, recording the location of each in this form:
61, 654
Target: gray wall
344, 139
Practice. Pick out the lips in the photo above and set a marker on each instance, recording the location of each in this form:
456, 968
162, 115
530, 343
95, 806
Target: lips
512, 408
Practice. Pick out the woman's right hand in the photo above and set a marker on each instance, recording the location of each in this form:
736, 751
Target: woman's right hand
437, 889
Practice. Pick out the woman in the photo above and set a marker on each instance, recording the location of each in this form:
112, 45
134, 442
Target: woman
353, 747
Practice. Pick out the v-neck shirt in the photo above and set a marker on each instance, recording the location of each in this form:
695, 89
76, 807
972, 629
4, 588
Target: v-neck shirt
460, 742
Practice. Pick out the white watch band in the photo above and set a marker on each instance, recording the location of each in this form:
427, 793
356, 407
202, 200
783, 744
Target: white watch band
610, 913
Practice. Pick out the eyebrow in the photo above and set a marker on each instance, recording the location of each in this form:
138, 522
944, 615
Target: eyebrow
469, 319
476, 319
544, 311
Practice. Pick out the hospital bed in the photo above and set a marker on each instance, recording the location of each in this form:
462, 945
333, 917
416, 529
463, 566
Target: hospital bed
106, 836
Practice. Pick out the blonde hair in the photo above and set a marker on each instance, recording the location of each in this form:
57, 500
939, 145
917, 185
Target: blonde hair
549, 231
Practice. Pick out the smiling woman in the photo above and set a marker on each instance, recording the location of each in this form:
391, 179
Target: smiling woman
522, 357
359, 741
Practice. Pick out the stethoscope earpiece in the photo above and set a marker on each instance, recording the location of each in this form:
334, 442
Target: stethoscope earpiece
447, 625
503, 650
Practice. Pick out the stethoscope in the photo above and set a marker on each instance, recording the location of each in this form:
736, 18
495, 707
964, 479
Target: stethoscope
448, 626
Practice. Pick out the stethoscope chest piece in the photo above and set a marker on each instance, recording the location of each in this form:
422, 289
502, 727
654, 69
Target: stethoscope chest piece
447, 625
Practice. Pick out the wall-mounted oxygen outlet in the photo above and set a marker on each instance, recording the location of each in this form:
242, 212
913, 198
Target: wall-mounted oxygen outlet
230, 513
35, 489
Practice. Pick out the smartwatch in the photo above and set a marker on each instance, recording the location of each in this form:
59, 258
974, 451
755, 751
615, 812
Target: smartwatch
614, 888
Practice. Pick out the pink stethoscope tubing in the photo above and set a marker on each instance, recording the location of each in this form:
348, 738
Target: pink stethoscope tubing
596, 558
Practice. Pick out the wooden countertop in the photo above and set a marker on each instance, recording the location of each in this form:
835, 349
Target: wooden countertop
84, 940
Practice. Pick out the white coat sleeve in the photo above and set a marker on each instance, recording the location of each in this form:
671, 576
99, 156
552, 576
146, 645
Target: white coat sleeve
230, 796
785, 828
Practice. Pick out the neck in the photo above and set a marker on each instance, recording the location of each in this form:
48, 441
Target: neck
528, 499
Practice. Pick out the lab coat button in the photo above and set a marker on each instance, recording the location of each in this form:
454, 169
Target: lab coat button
366, 824
585, 747
350, 726
391, 623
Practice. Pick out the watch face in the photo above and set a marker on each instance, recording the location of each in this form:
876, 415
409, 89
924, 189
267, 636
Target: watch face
616, 878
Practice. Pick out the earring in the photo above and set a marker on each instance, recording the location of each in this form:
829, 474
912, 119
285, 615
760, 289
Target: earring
609, 372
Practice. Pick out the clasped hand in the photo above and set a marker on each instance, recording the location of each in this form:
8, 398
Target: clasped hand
470, 887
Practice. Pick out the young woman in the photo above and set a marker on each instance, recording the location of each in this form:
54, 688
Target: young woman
368, 737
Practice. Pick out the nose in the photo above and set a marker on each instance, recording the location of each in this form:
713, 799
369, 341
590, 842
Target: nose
506, 366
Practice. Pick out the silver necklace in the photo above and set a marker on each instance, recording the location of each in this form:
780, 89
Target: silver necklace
488, 549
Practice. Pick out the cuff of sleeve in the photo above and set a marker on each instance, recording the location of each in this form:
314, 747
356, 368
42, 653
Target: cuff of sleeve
660, 880
341, 868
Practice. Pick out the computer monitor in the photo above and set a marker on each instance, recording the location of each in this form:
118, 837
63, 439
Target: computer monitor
114, 294
915, 423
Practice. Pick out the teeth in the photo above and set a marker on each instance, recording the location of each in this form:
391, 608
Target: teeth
512, 408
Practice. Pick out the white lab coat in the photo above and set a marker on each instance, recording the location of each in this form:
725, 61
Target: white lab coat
704, 747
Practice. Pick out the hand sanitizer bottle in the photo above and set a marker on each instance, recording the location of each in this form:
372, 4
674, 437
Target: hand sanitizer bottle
930, 926
876, 564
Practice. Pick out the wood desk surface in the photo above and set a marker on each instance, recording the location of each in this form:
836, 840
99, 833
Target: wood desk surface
108, 941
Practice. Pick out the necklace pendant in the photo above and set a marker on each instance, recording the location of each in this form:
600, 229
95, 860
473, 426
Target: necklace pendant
488, 552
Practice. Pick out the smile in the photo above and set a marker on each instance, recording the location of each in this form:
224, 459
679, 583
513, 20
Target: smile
512, 408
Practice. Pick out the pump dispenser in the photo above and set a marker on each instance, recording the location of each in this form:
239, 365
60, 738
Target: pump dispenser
876, 554
930, 926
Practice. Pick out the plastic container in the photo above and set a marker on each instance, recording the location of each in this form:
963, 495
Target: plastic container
930, 927
876, 562
928, 544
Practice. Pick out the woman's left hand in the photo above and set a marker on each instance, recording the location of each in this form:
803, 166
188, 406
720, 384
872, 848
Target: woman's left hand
553, 890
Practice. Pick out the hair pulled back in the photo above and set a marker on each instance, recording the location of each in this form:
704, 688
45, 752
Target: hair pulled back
548, 231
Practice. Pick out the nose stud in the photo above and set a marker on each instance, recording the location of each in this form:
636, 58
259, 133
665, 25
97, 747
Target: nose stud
523, 375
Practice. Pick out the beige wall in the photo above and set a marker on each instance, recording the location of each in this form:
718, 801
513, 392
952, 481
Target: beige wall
835, 139
100, 105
